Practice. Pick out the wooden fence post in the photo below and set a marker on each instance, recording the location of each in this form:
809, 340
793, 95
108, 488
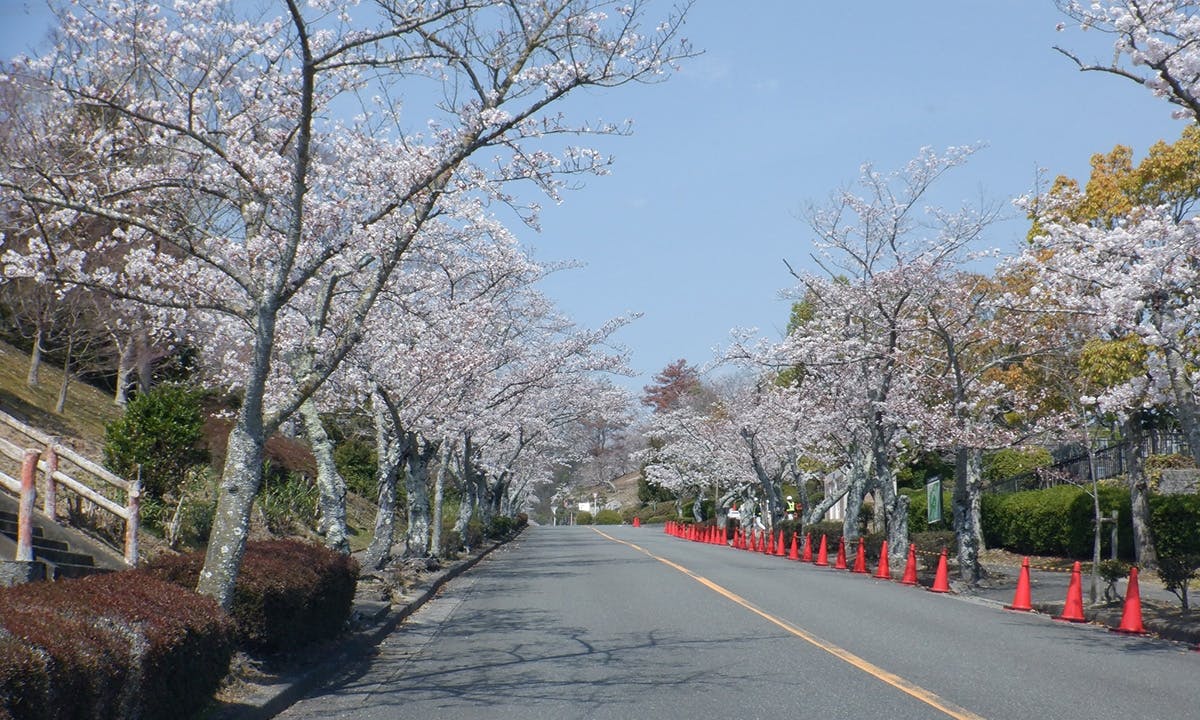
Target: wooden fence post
25, 510
50, 499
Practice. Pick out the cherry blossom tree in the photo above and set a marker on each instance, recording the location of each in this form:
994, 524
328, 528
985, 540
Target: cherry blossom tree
1155, 44
225, 164
880, 251
1136, 279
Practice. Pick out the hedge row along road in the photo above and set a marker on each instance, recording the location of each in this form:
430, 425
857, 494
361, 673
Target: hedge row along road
622, 622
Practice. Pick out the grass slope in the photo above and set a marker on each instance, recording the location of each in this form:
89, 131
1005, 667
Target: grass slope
81, 425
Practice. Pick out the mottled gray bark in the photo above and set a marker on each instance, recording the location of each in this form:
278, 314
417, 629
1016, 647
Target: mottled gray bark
470, 491
769, 480
125, 353
898, 531
439, 493
1186, 410
61, 404
856, 490
1145, 552
240, 480
391, 448
331, 486
968, 476
416, 538
35, 359
817, 513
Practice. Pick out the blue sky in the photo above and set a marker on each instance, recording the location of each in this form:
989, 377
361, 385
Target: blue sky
789, 99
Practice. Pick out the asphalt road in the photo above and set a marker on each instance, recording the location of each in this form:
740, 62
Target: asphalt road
622, 622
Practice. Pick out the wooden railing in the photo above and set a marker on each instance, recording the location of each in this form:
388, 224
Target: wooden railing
49, 452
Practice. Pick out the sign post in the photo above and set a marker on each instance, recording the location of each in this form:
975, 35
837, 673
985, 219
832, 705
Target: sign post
933, 500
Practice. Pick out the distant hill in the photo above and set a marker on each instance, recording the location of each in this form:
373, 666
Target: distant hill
626, 490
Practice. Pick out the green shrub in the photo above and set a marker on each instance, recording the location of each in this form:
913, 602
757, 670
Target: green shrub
1175, 525
1177, 572
287, 498
1010, 462
608, 517
1053, 521
503, 526
357, 464
120, 645
1112, 571
161, 431
288, 594
583, 517
475, 535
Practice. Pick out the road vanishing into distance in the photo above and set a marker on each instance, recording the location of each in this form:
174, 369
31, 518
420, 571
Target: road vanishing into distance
630, 623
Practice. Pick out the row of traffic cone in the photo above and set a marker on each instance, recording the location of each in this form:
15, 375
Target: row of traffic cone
1131, 614
775, 543
770, 544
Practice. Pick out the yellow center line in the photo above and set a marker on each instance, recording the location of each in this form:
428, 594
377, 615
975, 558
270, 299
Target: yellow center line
926, 696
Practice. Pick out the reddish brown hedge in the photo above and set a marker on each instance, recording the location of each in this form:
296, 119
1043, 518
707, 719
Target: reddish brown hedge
116, 645
288, 594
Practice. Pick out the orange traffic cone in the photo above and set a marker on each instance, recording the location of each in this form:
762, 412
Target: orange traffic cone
1021, 599
910, 567
768, 546
840, 564
1073, 610
822, 555
637, 522
781, 546
860, 558
941, 582
884, 572
1131, 617
794, 554
806, 556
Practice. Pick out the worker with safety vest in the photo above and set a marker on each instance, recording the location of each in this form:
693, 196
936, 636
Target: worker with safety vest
790, 508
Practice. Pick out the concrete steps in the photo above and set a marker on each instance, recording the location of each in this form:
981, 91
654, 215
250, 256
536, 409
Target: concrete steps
54, 548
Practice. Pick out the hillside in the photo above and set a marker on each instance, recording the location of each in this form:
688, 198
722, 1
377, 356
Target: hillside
87, 409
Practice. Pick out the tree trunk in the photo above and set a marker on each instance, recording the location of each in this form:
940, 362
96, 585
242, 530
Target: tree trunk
331, 486
816, 513
35, 359
968, 474
1184, 395
240, 480
61, 404
390, 452
124, 369
416, 539
439, 488
855, 492
1144, 551
898, 530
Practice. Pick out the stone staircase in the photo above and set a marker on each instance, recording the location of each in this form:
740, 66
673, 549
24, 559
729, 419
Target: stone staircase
60, 551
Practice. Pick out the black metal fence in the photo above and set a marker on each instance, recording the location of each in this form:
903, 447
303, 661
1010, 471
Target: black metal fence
1111, 461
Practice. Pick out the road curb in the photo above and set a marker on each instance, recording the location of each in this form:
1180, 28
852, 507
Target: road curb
270, 699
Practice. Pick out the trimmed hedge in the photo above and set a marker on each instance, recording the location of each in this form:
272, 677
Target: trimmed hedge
120, 645
288, 594
608, 517
1054, 521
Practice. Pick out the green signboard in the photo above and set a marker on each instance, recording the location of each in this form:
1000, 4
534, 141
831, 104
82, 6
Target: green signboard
933, 500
